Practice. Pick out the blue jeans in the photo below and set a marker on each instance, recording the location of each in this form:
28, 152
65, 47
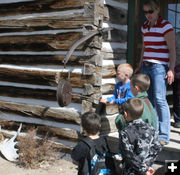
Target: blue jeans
157, 96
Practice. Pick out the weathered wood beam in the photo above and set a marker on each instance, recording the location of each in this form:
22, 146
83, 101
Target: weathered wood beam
107, 89
40, 42
42, 112
40, 6
46, 77
61, 130
9, 128
49, 23
38, 59
35, 93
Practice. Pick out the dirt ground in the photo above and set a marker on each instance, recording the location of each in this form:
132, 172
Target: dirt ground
62, 166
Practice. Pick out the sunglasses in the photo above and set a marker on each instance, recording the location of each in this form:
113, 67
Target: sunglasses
148, 12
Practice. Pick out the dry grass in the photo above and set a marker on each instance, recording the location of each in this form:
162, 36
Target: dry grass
32, 151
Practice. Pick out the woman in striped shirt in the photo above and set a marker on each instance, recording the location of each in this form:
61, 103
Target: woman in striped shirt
157, 61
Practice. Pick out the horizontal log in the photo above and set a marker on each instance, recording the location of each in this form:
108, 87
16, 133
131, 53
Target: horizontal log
119, 14
47, 94
40, 6
63, 133
35, 93
107, 89
40, 59
40, 42
30, 25
108, 71
45, 76
42, 112
11, 129
122, 4
114, 47
68, 131
45, 22
121, 55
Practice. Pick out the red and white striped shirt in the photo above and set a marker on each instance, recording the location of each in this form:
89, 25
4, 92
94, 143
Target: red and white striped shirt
156, 50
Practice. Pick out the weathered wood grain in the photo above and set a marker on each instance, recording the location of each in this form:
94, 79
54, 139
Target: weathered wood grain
40, 6
44, 59
40, 42
46, 77
42, 112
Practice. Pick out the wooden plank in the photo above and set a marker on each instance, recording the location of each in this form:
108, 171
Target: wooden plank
40, 59
45, 76
47, 94
42, 112
71, 21
40, 42
61, 132
40, 6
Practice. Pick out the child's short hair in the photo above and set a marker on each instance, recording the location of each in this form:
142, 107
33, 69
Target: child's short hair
134, 107
127, 68
91, 122
141, 80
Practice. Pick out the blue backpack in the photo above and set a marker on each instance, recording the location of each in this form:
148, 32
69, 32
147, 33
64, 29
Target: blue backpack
99, 160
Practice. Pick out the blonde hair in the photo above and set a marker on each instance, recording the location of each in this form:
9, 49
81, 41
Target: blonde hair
134, 107
141, 80
127, 68
154, 4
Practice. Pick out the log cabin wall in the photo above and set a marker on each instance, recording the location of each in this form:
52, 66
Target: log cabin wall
35, 36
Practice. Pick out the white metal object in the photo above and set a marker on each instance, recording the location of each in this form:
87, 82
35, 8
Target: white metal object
7, 147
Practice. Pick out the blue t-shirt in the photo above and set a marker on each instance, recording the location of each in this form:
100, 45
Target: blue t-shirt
121, 93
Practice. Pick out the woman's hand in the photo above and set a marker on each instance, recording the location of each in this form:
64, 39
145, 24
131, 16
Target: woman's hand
170, 77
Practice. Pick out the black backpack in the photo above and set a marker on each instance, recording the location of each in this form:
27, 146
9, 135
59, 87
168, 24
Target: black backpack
99, 161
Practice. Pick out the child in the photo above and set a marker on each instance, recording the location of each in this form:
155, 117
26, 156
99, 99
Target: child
139, 85
122, 90
91, 124
139, 142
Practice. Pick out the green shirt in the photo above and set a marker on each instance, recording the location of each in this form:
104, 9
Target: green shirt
149, 115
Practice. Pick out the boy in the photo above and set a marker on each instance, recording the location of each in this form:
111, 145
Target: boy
139, 142
139, 85
91, 124
122, 90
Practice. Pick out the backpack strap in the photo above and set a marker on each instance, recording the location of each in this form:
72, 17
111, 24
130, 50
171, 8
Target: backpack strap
88, 142
146, 100
103, 146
